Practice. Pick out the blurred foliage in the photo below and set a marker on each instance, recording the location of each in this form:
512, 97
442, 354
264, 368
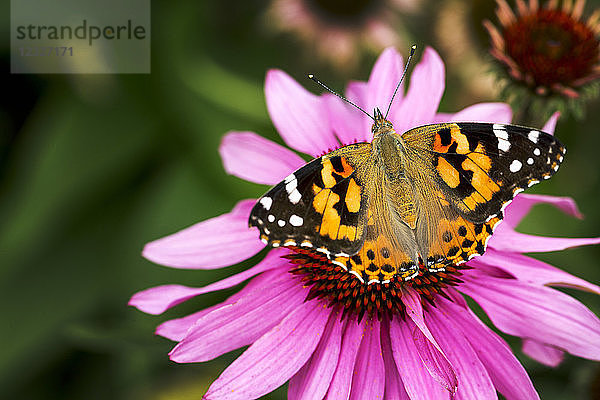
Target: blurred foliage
94, 166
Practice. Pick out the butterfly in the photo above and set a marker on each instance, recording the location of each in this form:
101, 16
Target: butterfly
430, 197
403, 204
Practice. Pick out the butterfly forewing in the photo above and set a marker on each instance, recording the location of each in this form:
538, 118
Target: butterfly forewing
321, 205
479, 167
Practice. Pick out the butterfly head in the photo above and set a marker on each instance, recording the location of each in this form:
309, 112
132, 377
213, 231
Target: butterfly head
380, 125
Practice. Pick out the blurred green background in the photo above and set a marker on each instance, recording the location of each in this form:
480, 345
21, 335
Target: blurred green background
94, 166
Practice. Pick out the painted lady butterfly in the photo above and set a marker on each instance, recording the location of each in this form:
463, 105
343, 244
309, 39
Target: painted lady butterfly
429, 198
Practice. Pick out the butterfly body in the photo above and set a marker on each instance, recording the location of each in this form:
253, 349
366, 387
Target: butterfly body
390, 208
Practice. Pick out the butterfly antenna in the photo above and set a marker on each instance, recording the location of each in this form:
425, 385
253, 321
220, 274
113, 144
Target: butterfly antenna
412, 52
312, 78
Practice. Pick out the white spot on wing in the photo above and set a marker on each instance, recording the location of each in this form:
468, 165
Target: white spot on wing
536, 151
515, 166
289, 178
530, 161
271, 218
500, 131
281, 223
533, 136
503, 145
295, 196
291, 183
296, 220
266, 202
291, 186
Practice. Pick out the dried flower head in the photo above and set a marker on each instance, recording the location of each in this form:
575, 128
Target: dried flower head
548, 53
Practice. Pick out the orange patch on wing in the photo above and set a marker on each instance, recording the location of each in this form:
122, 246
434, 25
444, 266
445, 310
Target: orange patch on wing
351, 232
346, 232
347, 168
331, 219
480, 165
320, 200
455, 137
448, 173
473, 200
327, 174
353, 196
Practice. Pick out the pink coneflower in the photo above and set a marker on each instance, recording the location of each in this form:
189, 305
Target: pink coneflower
551, 50
429, 351
337, 30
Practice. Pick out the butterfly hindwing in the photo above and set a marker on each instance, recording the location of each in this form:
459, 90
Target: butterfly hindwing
320, 205
458, 240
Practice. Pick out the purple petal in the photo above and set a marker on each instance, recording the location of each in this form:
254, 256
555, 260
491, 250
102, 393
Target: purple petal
346, 121
214, 243
369, 371
432, 355
507, 373
313, 379
500, 113
342, 378
538, 313
418, 382
424, 94
473, 379
394, 388
441, 117
523, 203
177, 329
158, 299
270, 361
256, 159
385, 75
298, 115
357, 92
241, 322
506, 239
533, 271
414, 309
551, 123
547, 355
